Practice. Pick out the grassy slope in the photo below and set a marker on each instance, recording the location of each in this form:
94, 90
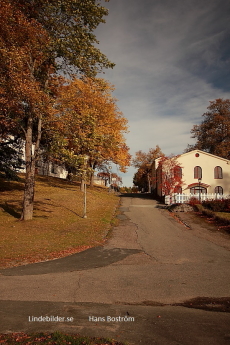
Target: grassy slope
57, 228
54, 339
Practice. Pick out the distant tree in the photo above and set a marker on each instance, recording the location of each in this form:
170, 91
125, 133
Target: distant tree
141, 179
213, 134
128, 189
104, 176
134, 189
143, 162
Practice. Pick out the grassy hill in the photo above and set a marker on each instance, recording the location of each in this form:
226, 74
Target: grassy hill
58, 227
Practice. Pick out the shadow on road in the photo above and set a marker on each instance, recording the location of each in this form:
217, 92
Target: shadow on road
138, 195
91, 258
146, 196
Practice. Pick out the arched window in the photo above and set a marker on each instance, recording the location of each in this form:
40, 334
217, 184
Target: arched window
219, 190
197, 172
178, 172
198, 190
218, 173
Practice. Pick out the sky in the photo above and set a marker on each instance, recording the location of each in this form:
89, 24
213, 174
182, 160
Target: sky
172, 58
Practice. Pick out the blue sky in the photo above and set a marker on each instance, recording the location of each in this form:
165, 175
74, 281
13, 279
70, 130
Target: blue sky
172, 58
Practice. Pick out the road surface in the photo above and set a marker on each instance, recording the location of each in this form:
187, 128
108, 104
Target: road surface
137, 287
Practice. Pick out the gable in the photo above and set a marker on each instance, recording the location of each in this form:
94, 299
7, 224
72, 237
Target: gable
204, 155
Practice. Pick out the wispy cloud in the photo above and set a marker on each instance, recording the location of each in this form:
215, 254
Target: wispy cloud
171, 60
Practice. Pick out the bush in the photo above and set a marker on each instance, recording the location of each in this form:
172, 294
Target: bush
194, 201
222, 205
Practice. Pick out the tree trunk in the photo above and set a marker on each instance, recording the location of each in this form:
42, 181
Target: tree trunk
28, 201
30, 157
27, 210
82, 185
93, 166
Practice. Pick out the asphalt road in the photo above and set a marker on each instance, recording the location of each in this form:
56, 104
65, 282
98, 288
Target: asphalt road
154, 282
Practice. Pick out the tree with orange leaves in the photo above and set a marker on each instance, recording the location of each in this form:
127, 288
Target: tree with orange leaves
24, 102
90, 125
33, 35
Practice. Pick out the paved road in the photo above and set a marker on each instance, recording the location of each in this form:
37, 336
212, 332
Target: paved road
148, 269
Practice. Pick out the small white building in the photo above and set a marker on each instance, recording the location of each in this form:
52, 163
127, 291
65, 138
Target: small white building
202, 174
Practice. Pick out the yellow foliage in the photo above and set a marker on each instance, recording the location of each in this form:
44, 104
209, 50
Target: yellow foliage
90, 119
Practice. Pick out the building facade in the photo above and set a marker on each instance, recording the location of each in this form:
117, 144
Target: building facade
202, 173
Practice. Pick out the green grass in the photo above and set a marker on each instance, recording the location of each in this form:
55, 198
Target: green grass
225, 215
58, 227
53, 339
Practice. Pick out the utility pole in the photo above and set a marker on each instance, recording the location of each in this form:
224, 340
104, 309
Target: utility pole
85, 167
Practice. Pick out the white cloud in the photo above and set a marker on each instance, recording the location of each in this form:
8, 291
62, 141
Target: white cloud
167, 58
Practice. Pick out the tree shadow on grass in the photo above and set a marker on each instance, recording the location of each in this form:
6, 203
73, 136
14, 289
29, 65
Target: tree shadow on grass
11, 209
10, 186
38, 207
14, 208
56, 182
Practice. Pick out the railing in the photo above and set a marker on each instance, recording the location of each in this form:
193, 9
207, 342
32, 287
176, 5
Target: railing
183, 198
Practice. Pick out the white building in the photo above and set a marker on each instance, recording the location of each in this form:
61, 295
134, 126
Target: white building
202, 174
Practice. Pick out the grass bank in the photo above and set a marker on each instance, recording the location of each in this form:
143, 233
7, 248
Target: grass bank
54, 339
58, 227
222, 219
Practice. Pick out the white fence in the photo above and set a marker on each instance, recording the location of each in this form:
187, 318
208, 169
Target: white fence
183, 198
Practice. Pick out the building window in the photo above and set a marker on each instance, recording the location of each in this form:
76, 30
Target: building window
178, 172
197, 172
219, 190
218, 172
198, 190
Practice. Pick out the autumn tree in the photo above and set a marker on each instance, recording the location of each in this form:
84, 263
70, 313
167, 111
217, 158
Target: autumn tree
70, 25
90, 125
24, 102
143, 162
141, 180
169, 175
38, 38
213, 133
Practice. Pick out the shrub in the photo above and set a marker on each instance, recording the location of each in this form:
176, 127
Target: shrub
194, 201
222, 205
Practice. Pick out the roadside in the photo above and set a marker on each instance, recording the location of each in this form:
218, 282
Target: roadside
203, 227
58, 228
141, 286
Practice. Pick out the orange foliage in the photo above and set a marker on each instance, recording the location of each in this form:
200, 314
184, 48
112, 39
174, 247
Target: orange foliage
91, 122
23, 58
